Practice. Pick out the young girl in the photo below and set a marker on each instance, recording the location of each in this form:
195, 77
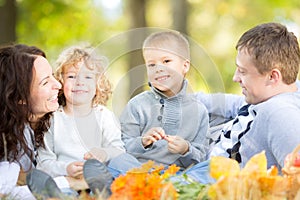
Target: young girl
82, 128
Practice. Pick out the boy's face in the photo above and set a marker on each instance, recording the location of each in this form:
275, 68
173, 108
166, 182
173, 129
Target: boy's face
79, 85
255, 86
165, 70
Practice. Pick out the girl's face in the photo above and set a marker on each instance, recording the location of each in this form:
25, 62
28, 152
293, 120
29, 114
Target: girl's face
79, 85
165, 70
44, 88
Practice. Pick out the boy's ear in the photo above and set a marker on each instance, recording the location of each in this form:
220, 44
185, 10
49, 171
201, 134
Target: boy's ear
186, 66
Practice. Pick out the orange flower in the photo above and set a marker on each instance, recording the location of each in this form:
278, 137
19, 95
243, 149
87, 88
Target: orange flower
147, 182
170, 171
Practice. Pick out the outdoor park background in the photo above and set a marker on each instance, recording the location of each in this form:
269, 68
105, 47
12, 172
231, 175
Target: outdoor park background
117, 29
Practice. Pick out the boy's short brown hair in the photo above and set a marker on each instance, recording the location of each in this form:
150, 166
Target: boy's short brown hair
171, 41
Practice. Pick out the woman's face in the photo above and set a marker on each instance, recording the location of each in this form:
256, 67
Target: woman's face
44, 88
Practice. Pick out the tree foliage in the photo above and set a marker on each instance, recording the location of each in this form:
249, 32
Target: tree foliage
213, 26
56, 24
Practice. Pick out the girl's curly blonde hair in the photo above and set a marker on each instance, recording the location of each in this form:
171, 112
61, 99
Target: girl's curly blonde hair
71, 57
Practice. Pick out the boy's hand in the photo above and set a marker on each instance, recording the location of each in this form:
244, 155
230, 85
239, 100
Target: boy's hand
154, 134
177, 144
75, 169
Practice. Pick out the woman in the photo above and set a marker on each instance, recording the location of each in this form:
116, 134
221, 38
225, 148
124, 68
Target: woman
28, 97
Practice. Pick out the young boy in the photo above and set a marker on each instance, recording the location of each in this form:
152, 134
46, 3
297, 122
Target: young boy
166, 124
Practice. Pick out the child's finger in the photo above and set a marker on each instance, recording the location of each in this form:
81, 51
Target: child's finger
156, 135
167, 138
78, 163
87, 156
160, 131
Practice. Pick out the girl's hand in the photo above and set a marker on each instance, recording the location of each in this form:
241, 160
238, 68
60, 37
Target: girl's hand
153, 135
77, 183
75, 169
177, 144
96, 153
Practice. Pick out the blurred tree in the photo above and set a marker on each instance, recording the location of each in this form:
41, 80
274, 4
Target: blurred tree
137, 10
180, 15
8, 12
213, 26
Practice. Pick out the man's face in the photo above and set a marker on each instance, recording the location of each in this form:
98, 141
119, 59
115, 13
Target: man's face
254, 85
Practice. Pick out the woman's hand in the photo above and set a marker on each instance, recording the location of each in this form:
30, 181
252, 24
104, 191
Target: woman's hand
152, 135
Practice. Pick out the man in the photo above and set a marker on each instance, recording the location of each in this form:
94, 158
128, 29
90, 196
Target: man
267, 67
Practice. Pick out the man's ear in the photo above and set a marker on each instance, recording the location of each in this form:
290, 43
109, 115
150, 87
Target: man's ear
186, 66
274, 76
